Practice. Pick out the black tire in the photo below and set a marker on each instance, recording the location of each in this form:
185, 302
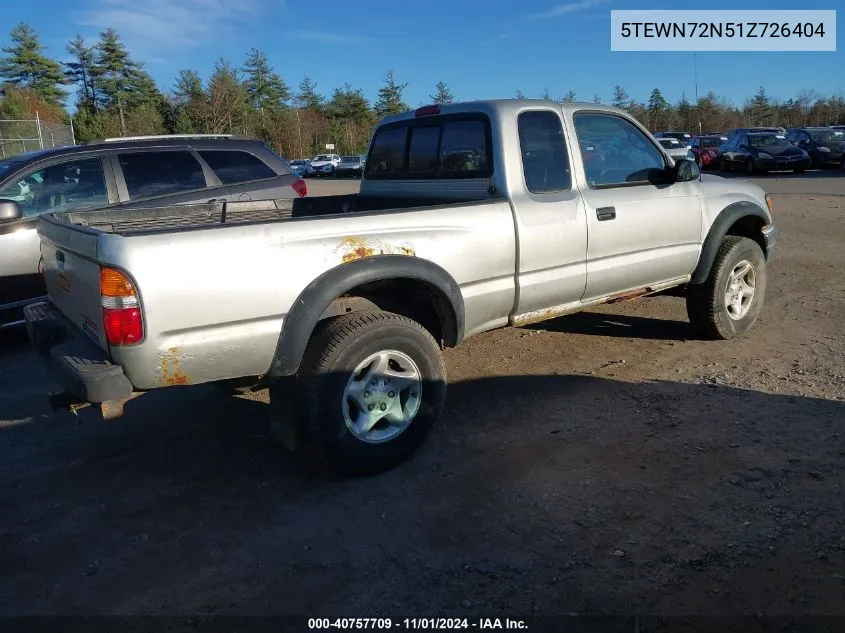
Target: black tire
798, 170
706, 302
330, 360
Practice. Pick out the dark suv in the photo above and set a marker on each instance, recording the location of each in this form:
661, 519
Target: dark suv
825, 146
131, 173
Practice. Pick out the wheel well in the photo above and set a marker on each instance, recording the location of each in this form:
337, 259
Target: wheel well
412, 298
750, 226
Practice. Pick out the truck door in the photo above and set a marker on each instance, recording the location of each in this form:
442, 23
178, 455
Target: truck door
550, 217
641, 231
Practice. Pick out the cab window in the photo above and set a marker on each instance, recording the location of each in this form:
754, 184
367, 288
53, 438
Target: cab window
67, 186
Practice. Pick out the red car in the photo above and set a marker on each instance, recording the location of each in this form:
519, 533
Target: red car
706, 150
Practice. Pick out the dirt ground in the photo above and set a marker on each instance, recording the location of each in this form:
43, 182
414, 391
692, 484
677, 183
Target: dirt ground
602, 463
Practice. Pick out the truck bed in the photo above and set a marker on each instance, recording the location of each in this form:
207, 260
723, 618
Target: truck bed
210, 214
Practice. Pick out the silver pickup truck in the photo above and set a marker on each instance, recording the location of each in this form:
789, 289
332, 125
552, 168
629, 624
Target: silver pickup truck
470, 217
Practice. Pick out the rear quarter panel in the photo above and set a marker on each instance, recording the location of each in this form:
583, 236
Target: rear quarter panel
215, 299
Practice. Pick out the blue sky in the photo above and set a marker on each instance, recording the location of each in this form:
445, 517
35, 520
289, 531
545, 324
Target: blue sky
481, 48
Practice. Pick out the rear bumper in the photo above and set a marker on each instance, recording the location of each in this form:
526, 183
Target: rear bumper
76, 363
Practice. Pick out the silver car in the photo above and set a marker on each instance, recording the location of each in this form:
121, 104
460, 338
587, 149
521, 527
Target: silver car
676, 149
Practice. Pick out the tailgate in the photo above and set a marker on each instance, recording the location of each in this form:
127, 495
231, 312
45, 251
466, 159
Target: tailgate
72, 275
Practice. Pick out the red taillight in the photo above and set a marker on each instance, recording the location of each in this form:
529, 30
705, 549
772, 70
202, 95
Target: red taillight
121, 311
300, 188
123, 325
427, 110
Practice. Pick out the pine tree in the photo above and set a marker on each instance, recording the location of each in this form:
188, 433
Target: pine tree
620, 97
114, 70
657, 108
442, 94
266, 89
390, 97
307, 97
25, 66
685, 111
80, 71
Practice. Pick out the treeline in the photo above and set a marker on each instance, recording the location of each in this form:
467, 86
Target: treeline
115, 96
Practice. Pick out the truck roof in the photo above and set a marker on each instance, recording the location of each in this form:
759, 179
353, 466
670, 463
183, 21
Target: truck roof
498, 107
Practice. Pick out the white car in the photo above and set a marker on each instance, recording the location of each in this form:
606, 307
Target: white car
675, 148
325, 164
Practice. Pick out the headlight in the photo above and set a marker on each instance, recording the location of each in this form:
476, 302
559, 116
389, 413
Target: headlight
764, 155
824, 149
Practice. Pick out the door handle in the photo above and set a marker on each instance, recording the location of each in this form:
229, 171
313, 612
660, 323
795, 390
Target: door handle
606, 213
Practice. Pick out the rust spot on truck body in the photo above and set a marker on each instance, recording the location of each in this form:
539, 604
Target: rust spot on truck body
561, 310
170, 372
627, 296
353, 248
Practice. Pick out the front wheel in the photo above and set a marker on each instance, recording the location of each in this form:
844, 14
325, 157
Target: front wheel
729, 301
375, 384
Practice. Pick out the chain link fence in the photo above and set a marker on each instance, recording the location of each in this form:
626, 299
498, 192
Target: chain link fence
19, 136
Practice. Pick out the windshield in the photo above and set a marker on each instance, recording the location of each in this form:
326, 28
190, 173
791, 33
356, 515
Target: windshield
669, 143
350, 159
323, 157
827, 136
767, 140
711, 142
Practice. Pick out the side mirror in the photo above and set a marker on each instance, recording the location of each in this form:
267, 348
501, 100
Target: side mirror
686, 170
9, 210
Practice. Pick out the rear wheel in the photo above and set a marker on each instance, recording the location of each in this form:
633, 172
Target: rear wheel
374, 385
728, 303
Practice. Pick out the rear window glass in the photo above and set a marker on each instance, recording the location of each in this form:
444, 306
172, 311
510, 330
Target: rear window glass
160, 173
439, 147
234, 166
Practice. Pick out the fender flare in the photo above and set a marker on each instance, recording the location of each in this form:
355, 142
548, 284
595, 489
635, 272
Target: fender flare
317, 296
726, 218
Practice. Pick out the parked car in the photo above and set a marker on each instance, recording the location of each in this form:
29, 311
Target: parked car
129, 173
683, 137
675, 148
325, 164
301, 167
350, 166
343, 315
762, 152
824, 145
706, 150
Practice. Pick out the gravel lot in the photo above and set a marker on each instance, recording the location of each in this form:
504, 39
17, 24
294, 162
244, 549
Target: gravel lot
602, 463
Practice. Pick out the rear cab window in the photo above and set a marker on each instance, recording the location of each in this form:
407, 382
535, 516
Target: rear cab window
158, 173
545, 161
435, 147
235, 166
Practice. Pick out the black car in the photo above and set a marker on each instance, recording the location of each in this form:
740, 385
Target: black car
761, 152
131, 173
824, 145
